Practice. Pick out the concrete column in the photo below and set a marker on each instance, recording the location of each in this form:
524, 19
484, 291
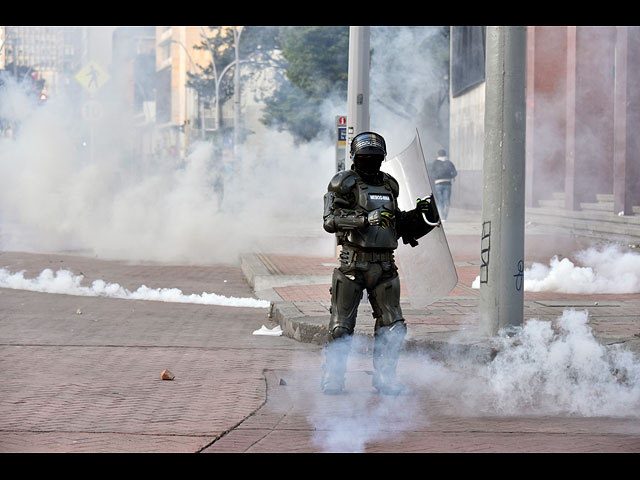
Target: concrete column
357, 86
626, 153
570, 201
530, 198
502, 245
589, 114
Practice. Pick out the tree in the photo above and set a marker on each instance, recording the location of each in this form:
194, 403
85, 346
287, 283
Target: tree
220, 41
315, 62
317, 67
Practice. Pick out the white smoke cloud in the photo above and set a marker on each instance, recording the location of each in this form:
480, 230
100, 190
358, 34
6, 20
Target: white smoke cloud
404, 80
563, 371
65, 282
607, 269
604, 270
542, 368
356, 421
56, 195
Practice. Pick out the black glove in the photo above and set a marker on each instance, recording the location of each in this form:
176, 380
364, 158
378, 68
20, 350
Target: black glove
428, 207
381, 218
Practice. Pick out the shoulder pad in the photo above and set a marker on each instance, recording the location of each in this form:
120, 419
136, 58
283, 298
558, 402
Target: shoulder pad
393, 183
342, 182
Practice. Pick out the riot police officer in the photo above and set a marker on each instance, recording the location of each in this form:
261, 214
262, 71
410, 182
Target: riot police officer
361, 209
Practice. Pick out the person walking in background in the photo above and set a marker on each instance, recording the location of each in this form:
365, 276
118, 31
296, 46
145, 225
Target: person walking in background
442, 172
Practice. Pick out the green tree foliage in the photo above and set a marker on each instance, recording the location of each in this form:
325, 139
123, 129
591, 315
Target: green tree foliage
314, 61
317, 66
220, 40
413, 62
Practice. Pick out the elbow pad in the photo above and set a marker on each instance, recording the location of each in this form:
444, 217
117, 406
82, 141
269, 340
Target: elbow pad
329, 224
349, 222
334, 222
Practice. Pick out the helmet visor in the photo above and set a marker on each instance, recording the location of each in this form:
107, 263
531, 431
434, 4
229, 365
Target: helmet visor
368, 143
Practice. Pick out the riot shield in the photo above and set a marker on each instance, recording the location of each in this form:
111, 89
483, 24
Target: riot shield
428, 269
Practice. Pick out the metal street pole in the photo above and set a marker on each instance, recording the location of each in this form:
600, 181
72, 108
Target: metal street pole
237, 118
215, 77
502, 245
357, 86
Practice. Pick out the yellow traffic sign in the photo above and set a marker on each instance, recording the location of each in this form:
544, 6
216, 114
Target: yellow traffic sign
92, 77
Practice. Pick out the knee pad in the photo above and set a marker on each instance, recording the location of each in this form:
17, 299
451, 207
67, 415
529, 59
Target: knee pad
385, 301
345, 298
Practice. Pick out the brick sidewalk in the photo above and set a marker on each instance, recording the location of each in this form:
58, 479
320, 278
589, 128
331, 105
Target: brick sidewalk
297, 419
82, 374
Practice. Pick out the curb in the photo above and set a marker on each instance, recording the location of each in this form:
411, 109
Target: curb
314, 328
297, 324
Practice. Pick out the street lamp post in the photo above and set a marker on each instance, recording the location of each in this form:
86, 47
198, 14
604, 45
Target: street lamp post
215, 78
237, 32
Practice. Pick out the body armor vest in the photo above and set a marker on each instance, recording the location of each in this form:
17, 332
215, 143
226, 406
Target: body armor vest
368, 198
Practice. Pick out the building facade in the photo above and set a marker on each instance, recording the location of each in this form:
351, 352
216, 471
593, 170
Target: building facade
53, 54
583, 109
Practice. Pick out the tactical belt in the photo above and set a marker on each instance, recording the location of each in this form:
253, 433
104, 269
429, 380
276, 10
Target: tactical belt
373, 256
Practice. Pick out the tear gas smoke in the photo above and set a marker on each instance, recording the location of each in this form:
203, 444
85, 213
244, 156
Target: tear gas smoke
355, 420
542, 368
563, 372
58, 196
606, 269
406, 83
65, 282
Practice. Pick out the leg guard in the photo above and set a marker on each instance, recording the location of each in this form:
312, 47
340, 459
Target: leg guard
336, 353
345, 297
388, 343
385, 301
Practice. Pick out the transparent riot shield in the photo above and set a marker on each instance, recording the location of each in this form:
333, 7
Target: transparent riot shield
428, 269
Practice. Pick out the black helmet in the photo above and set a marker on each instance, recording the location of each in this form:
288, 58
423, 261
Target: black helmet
368, 143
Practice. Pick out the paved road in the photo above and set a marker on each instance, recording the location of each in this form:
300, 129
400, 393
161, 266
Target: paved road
83, 374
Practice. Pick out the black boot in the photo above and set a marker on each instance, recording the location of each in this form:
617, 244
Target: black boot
388, 342
334, 368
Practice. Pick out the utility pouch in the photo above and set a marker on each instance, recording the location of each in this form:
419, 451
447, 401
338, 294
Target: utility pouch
346, 257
